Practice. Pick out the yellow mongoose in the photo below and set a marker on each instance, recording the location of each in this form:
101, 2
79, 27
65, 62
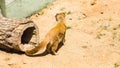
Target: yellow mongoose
52, 38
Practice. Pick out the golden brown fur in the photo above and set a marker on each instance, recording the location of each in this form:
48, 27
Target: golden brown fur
52, 38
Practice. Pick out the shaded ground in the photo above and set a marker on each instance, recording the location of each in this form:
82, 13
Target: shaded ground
92, 42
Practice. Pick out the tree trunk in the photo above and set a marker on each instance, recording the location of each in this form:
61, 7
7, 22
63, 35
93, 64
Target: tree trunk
17, 34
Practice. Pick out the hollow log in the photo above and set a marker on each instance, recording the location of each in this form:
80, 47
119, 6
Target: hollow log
17, 34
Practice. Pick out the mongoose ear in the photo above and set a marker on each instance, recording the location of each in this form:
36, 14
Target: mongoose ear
63, 14
56, 17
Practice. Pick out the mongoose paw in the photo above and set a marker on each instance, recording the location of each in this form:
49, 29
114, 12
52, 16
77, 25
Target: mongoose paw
54, 53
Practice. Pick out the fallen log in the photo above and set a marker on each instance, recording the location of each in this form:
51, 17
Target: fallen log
17, 34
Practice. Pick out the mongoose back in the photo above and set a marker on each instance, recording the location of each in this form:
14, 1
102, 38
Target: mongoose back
55, 36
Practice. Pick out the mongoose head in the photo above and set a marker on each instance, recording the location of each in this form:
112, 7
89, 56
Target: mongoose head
60, 16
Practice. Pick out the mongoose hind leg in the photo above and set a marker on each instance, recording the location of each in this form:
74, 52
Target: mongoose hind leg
48, 48
54, 47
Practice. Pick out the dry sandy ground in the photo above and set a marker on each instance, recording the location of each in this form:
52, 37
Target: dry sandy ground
93, 41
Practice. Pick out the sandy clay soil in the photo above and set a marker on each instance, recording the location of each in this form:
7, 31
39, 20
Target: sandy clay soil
92, 40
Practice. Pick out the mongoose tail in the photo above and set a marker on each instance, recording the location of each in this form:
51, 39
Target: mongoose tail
38, 49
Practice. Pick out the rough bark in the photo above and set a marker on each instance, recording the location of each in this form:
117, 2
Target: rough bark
16, 33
